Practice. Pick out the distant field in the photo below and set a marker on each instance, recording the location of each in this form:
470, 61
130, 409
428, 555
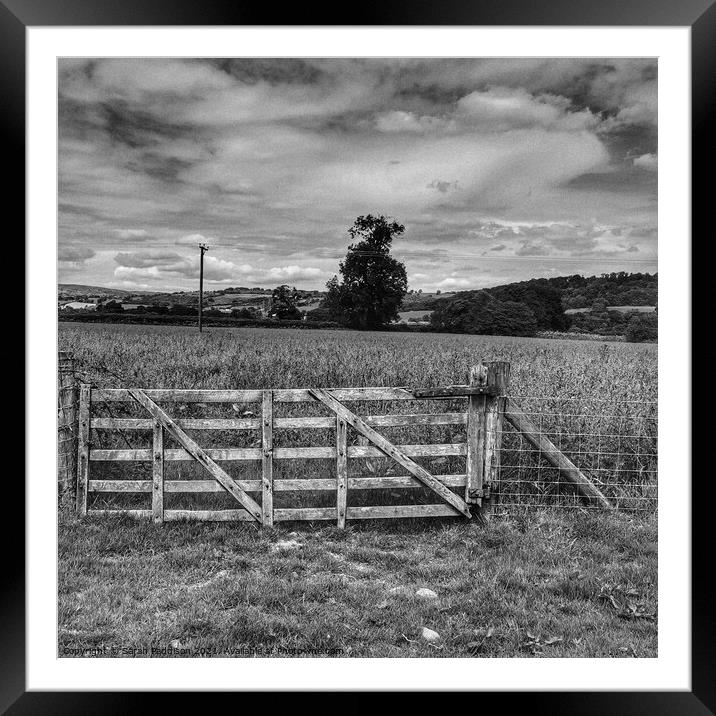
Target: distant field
405, 316
621, 309
256, 298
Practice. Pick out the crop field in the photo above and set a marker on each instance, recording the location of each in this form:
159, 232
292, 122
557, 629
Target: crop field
178, 356
596, 401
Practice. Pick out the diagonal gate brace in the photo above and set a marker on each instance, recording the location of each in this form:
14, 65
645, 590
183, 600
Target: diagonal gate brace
197, 453
391, 450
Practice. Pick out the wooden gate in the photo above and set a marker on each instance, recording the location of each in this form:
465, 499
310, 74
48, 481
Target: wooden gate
481, 419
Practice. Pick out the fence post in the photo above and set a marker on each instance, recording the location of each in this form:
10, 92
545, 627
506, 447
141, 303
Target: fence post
498, 378
475, 465
341, 471
158, 473
67, 427
83, 448
267, 458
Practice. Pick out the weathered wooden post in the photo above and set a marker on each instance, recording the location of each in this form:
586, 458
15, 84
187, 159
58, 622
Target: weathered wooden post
267, 458
498, 379
484, 429
341, 471
83, 448
157, 473
67, 427
475, 464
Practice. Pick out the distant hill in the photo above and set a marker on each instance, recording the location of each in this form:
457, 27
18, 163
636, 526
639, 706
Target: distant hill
73, 289
616, 289
528, 307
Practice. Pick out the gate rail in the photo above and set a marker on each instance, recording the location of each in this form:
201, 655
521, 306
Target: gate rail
487, 407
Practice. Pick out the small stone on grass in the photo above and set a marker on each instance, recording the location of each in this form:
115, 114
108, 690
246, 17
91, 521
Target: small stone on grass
425, 593
429, 635
400, 590
286, 544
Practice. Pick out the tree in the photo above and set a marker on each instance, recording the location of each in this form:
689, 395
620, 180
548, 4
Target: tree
283, 300
642, 327
479, 312
109, 307
544, 301
374, 283
244, 312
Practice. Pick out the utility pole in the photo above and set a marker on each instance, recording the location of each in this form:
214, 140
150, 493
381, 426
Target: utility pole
203, 248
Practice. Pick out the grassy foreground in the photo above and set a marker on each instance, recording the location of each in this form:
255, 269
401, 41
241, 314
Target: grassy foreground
544, 583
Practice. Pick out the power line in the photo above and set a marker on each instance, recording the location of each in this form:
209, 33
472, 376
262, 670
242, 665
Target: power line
328, 253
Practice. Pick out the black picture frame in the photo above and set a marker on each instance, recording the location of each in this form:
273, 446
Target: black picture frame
699, 15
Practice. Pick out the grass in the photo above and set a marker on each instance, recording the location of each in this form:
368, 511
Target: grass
539, 584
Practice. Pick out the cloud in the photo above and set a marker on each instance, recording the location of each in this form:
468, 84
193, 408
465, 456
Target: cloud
649, 162
156, 266
452, 282
195, 240
443, 186
531, 248
272, 160
74, 254
503, 108
640, 104
401, 121
161, 265
131, 234
295, 273
149, 258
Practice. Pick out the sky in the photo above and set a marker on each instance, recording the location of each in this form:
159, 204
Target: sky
500, 169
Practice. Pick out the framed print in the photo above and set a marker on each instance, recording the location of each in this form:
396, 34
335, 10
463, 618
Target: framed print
350, 342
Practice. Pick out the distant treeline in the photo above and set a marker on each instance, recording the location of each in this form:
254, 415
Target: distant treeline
614, 289
525, 308
512, 310
529, 307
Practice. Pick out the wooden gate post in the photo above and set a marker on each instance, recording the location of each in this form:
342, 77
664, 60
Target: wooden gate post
67, 427
267, 458
83, 448
341, 471
157, 473
498, 378
475, 464
484, 429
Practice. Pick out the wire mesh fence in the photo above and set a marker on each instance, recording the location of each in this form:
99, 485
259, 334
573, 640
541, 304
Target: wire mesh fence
613, 442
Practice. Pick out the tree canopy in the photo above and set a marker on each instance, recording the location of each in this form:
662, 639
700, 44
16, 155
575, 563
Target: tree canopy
479, 312
373, 282
283, 303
